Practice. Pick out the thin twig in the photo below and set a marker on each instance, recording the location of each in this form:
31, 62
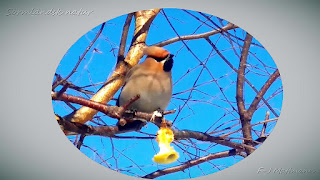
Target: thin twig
197, 161
125, 106
246, 80
124, 36
263, 90
252, 125
186, 134
80, 59
191, 163
263, 131
80, 142
196, 36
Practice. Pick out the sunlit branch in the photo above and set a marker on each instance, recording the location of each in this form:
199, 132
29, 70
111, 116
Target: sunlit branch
143, 20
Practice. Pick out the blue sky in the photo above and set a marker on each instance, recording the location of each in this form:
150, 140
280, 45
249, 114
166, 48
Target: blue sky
209, 111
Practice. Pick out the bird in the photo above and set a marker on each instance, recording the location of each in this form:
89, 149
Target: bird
152, 81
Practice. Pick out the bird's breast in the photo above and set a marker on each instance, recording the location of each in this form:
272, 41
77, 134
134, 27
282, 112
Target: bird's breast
155, 91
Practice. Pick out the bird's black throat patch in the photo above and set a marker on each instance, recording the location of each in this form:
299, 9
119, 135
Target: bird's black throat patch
167, 66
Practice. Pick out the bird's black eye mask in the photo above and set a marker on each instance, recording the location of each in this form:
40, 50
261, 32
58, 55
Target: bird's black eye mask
168, 62
163, 59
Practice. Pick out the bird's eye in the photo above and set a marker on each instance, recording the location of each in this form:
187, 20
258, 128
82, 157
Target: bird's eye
158, 59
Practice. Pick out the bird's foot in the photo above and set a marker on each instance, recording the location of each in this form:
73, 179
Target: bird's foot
156, 114
129, 113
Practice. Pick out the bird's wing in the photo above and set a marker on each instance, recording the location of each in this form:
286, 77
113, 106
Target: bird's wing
128, 75
130, 72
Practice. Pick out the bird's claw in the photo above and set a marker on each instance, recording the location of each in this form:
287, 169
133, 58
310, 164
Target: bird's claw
156, 114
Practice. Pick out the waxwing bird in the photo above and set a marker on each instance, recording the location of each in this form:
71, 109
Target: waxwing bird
151, 80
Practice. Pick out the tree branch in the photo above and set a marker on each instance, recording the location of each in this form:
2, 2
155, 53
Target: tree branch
264, 127
186, 134
241, 72
80, 142
235, 70
124, 36
261, 93
80, 59
244, 118
191, 163
110, 131
195, 162
252, 125
229, 26
143, 20
115, 112
78, 128
111, 111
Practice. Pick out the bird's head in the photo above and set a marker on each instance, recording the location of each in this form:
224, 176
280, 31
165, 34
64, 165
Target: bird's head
159, 57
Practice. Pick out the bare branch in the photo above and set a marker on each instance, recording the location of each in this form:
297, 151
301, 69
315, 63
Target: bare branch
263, 131
143, 20
263, 90
114, 111
235, 70
124, 36
80, 142
252, 125
111, 111
80, 59
78, 128
198, 148
110, 131
241, 71
191, 163
200, 160
125, 106
185, 134
197, 36
244, 118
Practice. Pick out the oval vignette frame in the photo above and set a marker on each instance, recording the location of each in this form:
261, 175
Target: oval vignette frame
206, 94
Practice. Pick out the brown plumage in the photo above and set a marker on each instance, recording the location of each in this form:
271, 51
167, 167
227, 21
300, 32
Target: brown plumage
151, 80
